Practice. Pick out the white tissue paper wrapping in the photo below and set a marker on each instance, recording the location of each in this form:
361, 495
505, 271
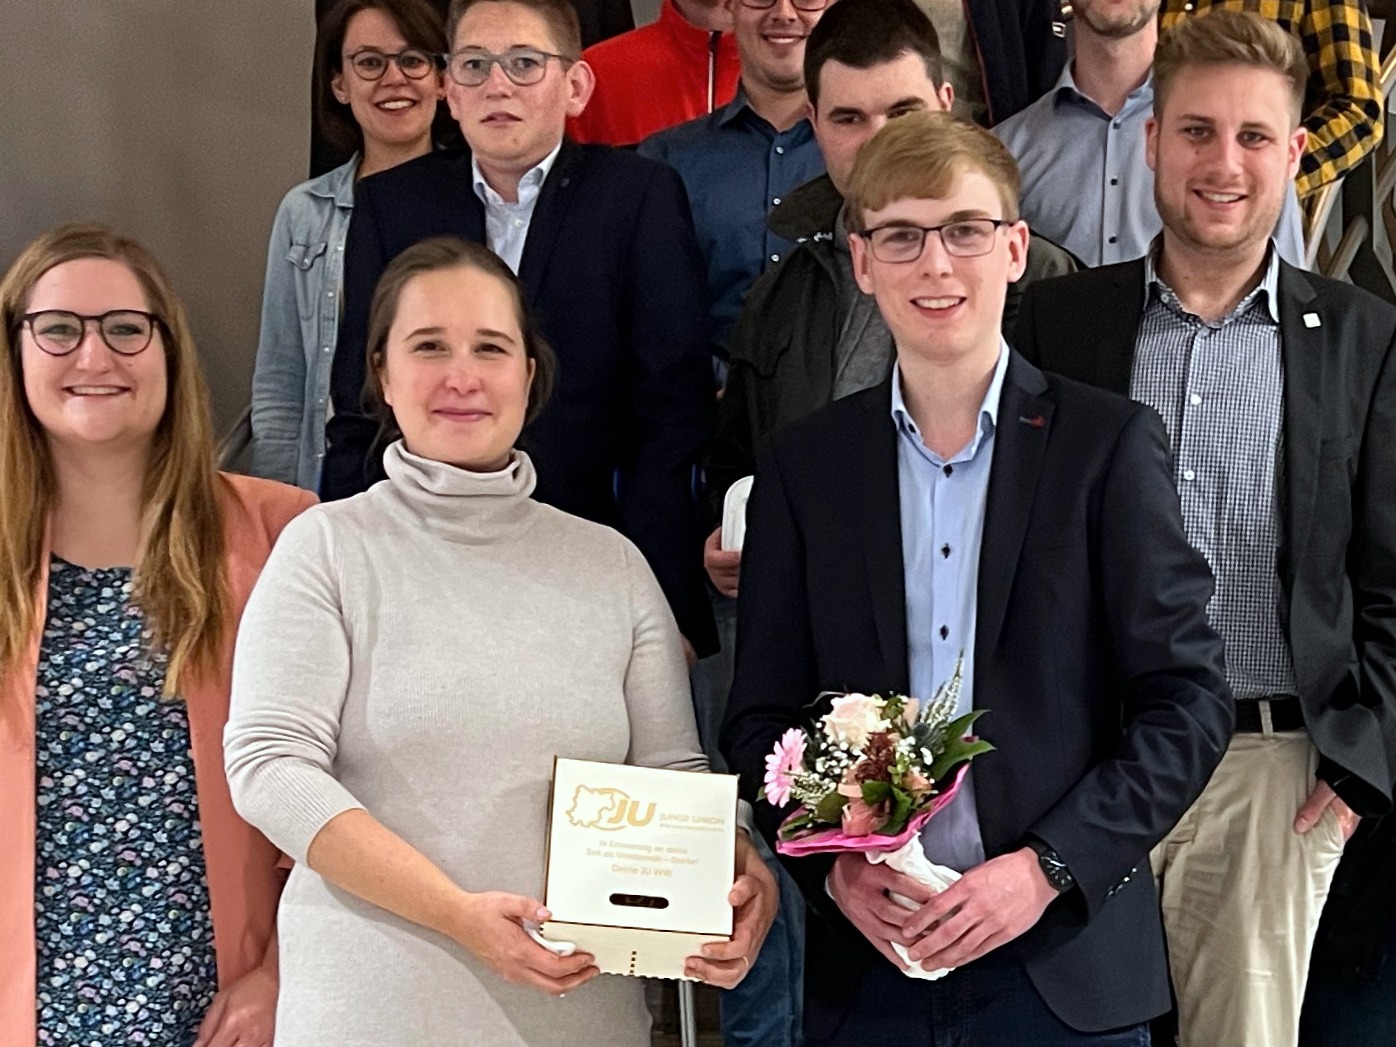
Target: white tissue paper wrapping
910, 859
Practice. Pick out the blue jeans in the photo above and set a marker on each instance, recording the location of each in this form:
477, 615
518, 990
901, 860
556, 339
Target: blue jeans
765, 1010
990, 1003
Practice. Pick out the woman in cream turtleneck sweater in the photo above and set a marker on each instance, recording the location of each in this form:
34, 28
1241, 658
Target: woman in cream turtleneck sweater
408, 666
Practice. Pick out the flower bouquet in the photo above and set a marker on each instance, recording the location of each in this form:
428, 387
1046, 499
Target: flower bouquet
870, 776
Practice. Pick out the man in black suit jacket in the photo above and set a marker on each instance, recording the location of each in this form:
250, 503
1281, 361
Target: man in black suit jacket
1081, 619
1279, 391
603, 243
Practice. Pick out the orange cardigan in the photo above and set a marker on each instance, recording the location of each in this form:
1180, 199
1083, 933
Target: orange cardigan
243, 880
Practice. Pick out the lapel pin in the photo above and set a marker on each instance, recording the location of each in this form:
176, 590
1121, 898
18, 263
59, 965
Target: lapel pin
1035, 422
1312, 320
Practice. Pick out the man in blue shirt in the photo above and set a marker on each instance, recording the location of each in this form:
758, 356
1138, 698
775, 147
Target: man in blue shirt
1080, 147
740, 161
971, 504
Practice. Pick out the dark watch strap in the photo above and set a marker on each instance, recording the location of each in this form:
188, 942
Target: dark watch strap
1058, 875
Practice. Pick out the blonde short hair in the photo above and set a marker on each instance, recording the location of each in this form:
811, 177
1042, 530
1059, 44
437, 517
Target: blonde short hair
921, 156
1224, 37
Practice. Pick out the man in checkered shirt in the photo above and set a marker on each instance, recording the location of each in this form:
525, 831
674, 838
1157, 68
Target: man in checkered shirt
1278, 391
1343, 104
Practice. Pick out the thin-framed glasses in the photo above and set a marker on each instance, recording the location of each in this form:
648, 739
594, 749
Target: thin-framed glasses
522, 65
412, 62
58, 332
966, 238
799, 5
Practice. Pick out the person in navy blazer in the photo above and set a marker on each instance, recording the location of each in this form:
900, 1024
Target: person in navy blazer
613, 273
1085, 638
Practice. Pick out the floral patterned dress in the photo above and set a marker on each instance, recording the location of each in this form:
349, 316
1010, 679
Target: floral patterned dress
124, 939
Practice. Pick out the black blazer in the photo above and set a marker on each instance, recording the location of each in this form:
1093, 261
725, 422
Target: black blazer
613, 274
1338, 494
1108, 703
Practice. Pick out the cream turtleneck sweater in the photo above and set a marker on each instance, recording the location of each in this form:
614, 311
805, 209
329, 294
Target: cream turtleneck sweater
423, 651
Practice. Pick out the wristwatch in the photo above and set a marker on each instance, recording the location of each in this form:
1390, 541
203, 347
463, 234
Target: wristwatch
1058, 875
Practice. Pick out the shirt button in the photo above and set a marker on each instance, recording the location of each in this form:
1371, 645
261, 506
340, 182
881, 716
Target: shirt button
775, 202
1114, 239
1194, 399
1114, 181
780, 150
326, 349
944, 632
775, 258
1116, 125
1188, 474
340, 247
949, 469
329, 294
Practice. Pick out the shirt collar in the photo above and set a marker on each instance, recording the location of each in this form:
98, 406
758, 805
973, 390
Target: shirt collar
733, 109
338, 184
1066, 88
988, 409
529, 185
1269, 283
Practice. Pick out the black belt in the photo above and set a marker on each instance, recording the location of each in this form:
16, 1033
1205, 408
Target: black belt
1285, 715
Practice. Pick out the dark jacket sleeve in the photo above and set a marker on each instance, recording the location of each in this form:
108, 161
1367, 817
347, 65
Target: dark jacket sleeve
1372, 574
669, 399
1178, 709
774, 678
351, 432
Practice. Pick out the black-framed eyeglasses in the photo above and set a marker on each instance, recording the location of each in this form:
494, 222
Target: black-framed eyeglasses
58, 332
412, 62
799, 5
522, 65
899, 242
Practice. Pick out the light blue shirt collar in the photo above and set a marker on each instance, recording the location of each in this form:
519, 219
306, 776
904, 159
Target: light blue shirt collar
1065, 87
988, 409
529, 185
337, 184
1269, 283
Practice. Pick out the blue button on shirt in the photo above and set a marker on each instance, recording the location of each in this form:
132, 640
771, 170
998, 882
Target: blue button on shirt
736, 167
942, 513
1086, 182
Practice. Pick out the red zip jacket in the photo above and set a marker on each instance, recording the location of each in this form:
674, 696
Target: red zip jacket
655, 77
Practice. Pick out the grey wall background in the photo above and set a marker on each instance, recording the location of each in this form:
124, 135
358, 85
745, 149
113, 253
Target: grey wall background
180, 122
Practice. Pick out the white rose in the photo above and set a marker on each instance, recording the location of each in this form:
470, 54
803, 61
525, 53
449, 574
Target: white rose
852, 719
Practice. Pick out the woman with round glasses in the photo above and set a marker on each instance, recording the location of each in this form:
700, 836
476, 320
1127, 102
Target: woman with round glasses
377, 85
136, 907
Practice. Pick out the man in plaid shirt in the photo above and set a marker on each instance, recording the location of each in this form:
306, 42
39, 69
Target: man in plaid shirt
1343, 104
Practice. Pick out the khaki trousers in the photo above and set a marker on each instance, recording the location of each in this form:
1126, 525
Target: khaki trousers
1242, 893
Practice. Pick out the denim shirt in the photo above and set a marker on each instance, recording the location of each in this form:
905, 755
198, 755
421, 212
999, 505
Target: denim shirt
300, 325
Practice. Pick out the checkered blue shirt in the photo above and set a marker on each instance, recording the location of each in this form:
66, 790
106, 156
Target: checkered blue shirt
1219, 388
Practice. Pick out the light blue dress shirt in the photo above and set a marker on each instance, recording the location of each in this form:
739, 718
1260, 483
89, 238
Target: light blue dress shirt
506, 224
1086, 183
942, 515
300, 325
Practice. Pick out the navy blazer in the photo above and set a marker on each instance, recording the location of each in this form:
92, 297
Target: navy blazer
613, 274
1337, 490
1107, 702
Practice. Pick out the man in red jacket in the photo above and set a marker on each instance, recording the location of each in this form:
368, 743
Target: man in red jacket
683, 66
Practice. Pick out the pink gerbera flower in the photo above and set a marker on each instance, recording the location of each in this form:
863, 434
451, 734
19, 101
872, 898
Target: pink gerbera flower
783, 764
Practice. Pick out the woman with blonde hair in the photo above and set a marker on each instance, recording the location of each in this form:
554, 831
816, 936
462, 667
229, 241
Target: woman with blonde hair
135, 906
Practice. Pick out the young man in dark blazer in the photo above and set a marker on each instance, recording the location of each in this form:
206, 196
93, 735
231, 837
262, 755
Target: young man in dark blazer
1278, 389
973, 506
603, 243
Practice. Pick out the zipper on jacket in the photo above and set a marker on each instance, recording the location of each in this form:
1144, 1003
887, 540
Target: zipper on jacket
714, 39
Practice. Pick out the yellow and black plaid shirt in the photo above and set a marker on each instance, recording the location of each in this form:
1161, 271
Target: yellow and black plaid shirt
1343, 102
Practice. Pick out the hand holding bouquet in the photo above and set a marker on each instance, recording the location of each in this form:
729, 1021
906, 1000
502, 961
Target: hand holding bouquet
870, 776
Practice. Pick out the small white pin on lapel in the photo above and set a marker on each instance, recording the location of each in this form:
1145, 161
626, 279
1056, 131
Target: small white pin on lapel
1312, 320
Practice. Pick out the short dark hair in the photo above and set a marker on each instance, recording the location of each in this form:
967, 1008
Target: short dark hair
417, 21
865, 33
560, 16
430, 256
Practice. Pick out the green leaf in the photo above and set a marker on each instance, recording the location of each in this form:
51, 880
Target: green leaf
899, 815
830, 808
957, 752
875, 792
959, 727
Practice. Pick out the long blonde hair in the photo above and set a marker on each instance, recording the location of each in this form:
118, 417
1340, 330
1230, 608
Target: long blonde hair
180, 577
